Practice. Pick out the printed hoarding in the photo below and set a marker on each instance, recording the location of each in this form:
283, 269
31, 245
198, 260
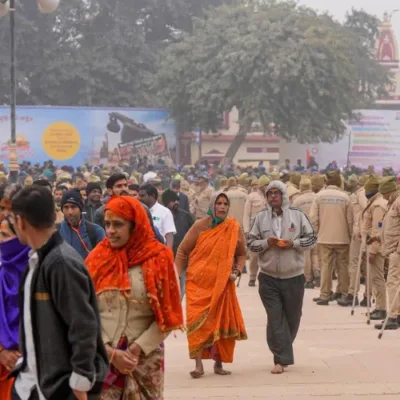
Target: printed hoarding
75, 135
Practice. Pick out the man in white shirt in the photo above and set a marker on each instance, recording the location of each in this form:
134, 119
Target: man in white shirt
162, 216
150, 174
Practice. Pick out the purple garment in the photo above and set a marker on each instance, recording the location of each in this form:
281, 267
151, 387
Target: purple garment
14, 261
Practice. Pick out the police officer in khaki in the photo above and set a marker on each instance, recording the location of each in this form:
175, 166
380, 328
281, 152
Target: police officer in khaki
237, 200
202, 197
359, 202
317, 183
332, 217
243, 183
293, 186
390, 241
254, 204
372, 218
304, 202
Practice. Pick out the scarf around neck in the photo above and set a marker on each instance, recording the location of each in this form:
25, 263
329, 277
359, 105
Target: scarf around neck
211, 209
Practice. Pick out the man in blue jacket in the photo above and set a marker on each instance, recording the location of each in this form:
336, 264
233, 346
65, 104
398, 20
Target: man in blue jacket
82, 235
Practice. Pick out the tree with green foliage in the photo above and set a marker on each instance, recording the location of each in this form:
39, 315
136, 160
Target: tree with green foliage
275, 62
94, 52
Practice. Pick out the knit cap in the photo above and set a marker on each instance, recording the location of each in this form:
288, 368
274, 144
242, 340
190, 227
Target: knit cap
92, 186
72, 197
305, 184
333, 178
372, 185
388, 185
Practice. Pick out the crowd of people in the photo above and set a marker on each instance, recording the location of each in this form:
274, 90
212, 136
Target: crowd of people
95, 262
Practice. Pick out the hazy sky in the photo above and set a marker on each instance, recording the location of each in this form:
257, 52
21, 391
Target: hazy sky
338, 8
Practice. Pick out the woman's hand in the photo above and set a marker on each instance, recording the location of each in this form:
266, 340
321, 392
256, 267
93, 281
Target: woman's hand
234, 275
135, 349
125, 361
9, 358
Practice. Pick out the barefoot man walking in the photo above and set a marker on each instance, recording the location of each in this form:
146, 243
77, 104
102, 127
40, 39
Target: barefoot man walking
279, 235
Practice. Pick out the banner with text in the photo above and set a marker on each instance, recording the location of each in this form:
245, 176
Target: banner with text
75, 135
153, 149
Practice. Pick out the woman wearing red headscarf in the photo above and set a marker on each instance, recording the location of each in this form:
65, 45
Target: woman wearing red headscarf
139, 301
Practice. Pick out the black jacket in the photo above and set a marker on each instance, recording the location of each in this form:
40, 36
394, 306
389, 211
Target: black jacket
183, 222
90, 211
65, 322
184, 202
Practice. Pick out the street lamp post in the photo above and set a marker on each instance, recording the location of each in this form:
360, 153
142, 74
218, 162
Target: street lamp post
13, 157
45, 7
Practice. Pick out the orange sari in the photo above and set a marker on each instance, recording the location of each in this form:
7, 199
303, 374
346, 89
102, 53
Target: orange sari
214, 318
5, 384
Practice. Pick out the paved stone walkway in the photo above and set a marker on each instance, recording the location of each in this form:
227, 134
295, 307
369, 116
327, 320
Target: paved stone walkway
337, 356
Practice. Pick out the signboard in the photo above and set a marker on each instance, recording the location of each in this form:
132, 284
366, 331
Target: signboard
153, 149
75, 135
375, 139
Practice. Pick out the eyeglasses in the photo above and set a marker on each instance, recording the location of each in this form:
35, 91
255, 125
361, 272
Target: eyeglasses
274, 194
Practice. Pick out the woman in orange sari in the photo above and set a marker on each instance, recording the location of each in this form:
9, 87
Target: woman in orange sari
139, 301
215, 248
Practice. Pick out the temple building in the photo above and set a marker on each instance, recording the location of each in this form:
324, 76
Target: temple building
388, 55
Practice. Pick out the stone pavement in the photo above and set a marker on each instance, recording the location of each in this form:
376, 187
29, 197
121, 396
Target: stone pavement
337, 356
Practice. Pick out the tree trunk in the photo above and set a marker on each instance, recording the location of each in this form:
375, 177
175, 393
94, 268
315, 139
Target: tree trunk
240, 137
235, 145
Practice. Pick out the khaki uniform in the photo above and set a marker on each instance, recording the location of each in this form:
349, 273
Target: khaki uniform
390, 238
359, 202
332, 217
202, 202
243, 190
190, 193
312, 269
237, 201
254, 204
372, 218
292, 192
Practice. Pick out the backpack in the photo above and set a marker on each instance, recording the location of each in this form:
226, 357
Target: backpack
91, 231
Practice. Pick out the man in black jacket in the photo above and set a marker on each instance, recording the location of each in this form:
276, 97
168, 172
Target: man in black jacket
63, 356
93, 202
183, 222
183, 199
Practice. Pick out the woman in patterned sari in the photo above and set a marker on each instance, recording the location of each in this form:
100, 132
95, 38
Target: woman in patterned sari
215, 248
139, 301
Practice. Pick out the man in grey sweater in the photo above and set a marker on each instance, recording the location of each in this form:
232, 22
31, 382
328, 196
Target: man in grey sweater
279, 235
